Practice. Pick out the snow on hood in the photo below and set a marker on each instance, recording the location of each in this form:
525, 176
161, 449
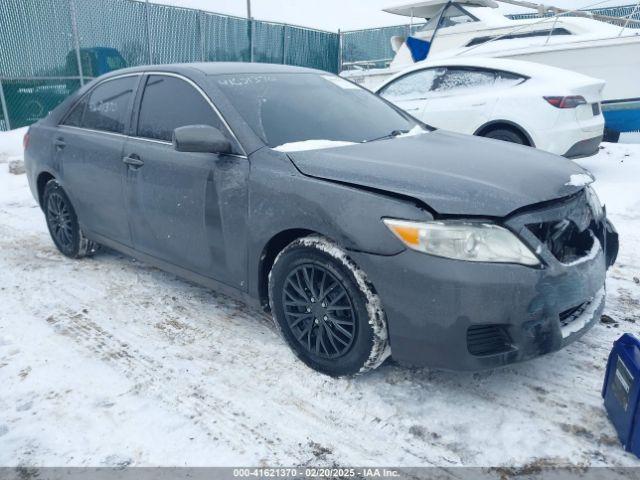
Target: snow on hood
580, 180
320, 144
310, 145
451, 173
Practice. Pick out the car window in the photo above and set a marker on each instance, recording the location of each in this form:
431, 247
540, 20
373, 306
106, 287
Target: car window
413, 85
284, 108
169, 103
506, 79
458, 79
74, 118
109, 105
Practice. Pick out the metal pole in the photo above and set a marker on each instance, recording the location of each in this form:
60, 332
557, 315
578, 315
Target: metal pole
251, 40
340, 47
203, 54
5, 110
148, 27
284, 44
250, 18
76, 40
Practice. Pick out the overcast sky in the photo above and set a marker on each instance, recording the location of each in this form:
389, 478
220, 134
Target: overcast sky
339, 14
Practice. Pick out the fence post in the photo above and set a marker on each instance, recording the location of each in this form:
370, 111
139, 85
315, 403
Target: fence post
251, 40
5, 110
148, 28
201, 21
284, 44
340, 47
76, 39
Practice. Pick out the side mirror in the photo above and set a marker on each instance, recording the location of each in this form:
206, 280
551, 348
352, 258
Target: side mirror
200, 138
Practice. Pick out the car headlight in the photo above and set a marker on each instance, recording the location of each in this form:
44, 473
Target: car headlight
594, 203
470, 241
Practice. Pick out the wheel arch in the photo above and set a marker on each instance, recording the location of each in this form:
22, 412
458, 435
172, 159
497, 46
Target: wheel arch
268, 255
507, 124
41, 181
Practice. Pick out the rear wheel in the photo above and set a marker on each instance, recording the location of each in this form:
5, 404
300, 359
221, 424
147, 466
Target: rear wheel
326, 309
611, 136
506, 135
62, 223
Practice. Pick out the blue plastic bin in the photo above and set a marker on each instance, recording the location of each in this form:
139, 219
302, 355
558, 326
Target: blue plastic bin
621, 391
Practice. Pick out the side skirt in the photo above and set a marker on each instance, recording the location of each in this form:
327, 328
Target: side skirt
178, 271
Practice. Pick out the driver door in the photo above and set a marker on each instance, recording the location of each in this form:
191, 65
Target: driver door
187, 209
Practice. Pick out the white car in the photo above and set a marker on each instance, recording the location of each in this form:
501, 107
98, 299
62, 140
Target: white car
522, 102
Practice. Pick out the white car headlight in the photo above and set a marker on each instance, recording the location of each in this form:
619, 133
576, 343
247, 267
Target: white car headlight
470, 241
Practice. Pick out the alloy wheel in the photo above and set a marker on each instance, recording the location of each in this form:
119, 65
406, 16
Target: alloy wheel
60, 221
318, 311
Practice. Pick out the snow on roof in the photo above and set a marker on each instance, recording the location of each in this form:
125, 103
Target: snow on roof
529, 69
429, 8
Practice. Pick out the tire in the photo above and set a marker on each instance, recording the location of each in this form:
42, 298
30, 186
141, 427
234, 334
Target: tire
62, 223
611, 136
318, 329
506, 135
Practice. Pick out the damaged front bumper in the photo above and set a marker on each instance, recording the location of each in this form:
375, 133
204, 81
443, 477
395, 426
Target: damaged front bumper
468, 316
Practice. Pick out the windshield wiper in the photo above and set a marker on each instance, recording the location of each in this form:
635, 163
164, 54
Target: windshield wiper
392, 134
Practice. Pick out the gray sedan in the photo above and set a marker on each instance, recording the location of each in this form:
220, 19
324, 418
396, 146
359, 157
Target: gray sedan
363, 231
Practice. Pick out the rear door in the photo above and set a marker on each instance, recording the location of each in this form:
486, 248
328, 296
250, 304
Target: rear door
89, 145
188, 209
412, 91
462, 99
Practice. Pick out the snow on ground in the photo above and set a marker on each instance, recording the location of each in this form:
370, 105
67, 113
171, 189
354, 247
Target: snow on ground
107, 361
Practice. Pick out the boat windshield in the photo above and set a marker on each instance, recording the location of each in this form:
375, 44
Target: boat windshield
454, 15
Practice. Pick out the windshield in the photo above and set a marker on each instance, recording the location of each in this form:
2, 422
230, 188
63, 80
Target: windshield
287, 108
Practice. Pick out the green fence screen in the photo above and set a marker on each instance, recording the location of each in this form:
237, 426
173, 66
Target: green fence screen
41, 42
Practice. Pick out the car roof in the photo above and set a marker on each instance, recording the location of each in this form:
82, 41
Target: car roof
217, 68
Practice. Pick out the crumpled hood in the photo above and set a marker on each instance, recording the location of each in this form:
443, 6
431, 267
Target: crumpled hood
453, 174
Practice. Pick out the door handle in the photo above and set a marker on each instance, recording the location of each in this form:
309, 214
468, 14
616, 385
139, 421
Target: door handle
134, 161
59, 143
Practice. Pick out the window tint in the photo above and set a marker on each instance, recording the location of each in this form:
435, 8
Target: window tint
464, 79
169, 103
413, 85
286, 108
74, 119
109, 105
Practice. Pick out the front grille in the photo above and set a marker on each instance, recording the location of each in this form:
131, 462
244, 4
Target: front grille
488, 340
564, 239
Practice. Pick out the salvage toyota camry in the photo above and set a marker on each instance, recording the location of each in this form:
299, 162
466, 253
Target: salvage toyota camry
363, 231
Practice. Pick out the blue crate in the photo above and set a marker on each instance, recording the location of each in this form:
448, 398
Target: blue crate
621, 391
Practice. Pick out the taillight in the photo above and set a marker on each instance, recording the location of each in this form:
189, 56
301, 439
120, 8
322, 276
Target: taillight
25, 140
571, 101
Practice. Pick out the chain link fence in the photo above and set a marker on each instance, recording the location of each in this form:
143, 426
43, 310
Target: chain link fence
371, 48
49, 48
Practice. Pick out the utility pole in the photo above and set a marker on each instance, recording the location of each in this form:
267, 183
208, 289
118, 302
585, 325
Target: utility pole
250, 19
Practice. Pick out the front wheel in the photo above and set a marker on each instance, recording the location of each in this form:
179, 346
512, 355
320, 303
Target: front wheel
326, 309
62, 223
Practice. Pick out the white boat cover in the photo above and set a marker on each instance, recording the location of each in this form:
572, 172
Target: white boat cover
429, 8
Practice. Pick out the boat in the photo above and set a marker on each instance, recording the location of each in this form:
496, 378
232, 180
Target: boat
595, 45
